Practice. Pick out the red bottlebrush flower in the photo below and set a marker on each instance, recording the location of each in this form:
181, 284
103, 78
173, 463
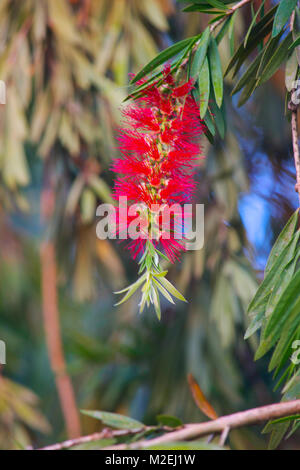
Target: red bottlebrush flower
159, 147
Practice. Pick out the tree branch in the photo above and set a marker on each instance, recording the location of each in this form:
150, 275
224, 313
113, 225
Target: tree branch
97, 436
189, 431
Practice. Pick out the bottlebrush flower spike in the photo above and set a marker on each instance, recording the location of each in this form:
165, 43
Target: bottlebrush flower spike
159, 151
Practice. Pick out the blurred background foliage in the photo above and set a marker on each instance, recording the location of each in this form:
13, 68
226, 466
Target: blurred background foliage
66, 65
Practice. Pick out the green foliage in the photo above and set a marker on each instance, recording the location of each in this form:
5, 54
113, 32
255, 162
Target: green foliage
275, 307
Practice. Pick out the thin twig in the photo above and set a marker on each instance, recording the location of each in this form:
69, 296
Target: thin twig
97, 436
224, 436
236, 420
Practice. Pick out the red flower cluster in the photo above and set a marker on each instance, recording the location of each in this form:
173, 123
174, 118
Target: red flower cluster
159, 147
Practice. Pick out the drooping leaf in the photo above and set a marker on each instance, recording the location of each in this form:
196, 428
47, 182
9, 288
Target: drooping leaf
216, 71
114, 420
204, 87
164, 56
285, 9
253, 22
200, 54
170, 421
200, 398
282, 241
276, 60
258, 32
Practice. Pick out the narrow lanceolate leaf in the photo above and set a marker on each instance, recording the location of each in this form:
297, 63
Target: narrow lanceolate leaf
171, 289
268, 53
266, 288
282, 282
216, 71
291, 71
114, 420
282, 241
204, 87
170, 421
287, 337
130, 290
217, 4
164, 56
164, 292
200, 398
258, 32
287, 309
276, 60
219, 116
295, 43
209, 123
200, 54
285, 9
253, 22
250, 74
155, 300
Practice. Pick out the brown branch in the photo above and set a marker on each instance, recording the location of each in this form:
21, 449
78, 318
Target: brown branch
189, 431
105, 434
52, 323
236, 420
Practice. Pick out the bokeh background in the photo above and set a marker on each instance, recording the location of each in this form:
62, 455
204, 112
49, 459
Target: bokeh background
67, 65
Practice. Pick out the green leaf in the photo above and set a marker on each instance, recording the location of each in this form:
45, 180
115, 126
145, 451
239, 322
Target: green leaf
164, 292
250, 74
164, 56
209, 123
156, 302
171, 289
216, 71
231, 32
170, 421
282, 241
204, 87
259, 31
223, 30
253, 22
114, 420
287, 309
295, 43
131, 289
285, 418
219, 117
271, 278
285, 9
200, 54
247, 91
283, 281
277, 433
217, 4
276, 60
256, 322
268, 53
